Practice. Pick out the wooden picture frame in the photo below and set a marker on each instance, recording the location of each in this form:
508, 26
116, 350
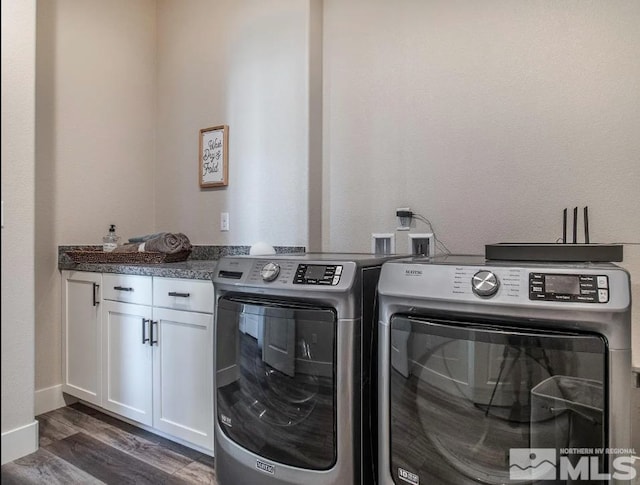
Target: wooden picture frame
214, 156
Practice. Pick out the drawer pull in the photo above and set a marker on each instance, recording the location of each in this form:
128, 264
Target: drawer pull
151, 324
145, 339
122, 288
96, 302
181, 295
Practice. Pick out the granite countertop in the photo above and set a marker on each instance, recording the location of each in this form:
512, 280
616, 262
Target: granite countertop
200, 265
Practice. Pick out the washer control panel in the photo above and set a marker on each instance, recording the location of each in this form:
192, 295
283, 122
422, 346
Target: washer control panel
569, 287
317, 274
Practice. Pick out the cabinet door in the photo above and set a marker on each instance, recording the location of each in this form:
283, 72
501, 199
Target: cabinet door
81, 335
127, 360
183, 375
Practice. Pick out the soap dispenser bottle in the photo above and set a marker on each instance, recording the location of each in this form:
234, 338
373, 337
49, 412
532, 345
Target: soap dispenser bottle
110, 241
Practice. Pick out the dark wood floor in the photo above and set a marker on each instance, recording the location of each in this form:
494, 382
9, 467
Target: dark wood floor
79, 445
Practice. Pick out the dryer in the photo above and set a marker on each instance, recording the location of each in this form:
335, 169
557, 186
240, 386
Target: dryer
494, 372
295, 343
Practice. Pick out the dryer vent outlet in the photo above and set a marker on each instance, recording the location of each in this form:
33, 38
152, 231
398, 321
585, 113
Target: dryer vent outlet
422, 244
383, 244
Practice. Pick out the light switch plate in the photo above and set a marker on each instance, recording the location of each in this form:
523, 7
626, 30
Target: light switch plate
224, 221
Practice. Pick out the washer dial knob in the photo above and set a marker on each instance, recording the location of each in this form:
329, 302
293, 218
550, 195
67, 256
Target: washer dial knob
485, 283
270, 271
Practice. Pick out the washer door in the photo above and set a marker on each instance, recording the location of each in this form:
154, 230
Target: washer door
469, 402
275, 379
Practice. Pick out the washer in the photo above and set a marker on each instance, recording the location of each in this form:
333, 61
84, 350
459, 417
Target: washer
294, 340
503, 372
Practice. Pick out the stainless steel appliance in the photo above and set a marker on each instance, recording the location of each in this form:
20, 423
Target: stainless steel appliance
294, 340
499, 373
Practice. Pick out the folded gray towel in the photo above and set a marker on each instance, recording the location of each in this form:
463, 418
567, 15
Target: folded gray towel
169, 243
139, 239
127, 248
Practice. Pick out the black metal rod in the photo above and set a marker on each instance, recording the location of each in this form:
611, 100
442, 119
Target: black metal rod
586, 225
152, 323
564, 226
122, 288
181, 295
575, 225
95, 299
144, 336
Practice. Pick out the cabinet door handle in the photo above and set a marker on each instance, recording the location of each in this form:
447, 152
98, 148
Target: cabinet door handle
181, 295
145, 339
122, 288
151, 341
95, 298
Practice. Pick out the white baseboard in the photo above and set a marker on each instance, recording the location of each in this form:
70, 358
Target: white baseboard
19, 442
51, 398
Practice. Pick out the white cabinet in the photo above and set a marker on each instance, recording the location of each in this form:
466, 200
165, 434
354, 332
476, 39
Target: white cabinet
126, 350
81, 335
154, 344
183, 359
127, 288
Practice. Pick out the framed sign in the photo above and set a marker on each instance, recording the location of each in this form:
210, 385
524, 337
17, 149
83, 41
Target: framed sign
214, 156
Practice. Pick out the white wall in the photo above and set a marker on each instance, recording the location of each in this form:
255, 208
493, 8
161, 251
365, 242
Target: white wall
244, 64
111, 74
488, 118
19, 430
95, 150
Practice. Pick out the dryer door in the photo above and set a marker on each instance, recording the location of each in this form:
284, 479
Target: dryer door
275, 371
477, 403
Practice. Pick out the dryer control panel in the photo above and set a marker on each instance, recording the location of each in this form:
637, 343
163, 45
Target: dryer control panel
279, 273
318, 274
569, 287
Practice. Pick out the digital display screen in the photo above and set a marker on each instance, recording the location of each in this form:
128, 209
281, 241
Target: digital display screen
314, 272
562, 284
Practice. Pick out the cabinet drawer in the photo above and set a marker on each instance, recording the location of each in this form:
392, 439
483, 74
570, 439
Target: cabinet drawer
183, 294
127, 288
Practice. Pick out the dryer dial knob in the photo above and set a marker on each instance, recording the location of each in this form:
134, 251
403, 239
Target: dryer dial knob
270, 271
485, 283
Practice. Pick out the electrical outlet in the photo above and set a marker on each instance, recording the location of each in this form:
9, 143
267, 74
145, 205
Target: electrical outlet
224, 221
405, 221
